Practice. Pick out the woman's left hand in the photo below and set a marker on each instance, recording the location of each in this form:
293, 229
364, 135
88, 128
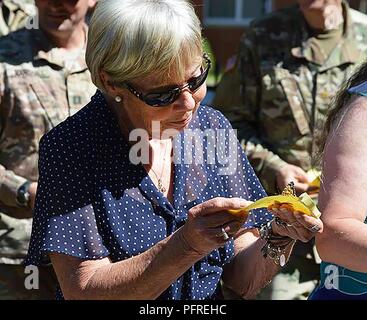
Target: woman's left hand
295, 225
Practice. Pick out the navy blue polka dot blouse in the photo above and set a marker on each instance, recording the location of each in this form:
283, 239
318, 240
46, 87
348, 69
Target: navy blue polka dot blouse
92, 202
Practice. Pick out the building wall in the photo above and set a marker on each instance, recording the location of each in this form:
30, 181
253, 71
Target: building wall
277, 4
225, 40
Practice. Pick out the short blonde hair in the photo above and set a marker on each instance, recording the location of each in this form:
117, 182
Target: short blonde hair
128, 39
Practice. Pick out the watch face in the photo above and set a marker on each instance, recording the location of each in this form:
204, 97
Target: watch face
27, 196
282, 260
23, 196
23, 199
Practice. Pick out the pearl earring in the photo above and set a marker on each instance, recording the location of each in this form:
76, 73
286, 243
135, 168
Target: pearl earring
118, 99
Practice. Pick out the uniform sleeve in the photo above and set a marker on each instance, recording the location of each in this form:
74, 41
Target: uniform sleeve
9, 181
64, 216
240, 179
242, 109
227, 97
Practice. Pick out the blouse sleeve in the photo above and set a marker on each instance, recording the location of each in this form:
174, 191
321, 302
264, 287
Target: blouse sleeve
64, 217
240, 179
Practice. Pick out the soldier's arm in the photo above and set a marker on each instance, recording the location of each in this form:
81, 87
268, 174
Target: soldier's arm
9, 181
227, 97
242, 87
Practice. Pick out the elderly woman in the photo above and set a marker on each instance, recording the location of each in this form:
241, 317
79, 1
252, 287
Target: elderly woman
122, 211
343, 244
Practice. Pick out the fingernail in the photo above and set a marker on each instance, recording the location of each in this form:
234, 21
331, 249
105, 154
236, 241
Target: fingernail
242, 203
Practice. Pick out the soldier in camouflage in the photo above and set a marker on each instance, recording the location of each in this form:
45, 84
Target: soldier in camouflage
290, 65
43, 80
14, 14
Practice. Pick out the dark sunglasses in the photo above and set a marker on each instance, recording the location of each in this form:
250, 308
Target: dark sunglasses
162, 99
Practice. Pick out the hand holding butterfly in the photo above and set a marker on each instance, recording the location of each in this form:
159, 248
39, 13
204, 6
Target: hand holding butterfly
294, 224
291, 223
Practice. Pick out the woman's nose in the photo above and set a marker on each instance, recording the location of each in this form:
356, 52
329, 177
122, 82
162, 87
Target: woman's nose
186, 100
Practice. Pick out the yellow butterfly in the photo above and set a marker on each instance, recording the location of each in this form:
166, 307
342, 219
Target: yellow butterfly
303, 203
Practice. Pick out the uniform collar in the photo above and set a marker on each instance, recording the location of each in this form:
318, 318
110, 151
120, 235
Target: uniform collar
348, 48
44, 50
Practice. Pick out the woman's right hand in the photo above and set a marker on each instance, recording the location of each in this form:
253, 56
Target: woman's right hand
202, 232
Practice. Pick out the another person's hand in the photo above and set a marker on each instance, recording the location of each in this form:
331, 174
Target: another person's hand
32, 192
203, 232
293, 173
24, 212
294, 224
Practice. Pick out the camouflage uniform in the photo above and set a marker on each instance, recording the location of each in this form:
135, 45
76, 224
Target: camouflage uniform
14, 14
281, 95
40, 86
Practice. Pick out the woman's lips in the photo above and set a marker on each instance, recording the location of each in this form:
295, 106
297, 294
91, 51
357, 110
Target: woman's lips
183, 122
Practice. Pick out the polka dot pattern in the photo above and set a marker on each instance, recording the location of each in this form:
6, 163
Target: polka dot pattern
92, 202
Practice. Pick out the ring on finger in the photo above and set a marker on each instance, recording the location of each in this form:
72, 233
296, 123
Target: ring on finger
314, 228
282, 223
223, 234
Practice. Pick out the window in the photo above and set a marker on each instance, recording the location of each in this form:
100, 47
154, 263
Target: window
234, 12
363, 6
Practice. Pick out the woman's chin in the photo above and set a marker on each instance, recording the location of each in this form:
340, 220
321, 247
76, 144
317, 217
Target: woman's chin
182, 125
